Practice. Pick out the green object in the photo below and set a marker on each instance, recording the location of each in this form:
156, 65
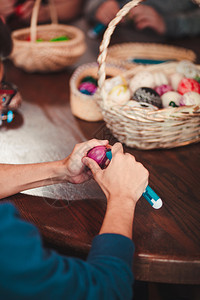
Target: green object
60, 39
39, 40
173, 104
89, 79
197, 78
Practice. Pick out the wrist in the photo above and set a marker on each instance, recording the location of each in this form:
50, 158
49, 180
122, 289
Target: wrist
60, 172
121, 202
119, 216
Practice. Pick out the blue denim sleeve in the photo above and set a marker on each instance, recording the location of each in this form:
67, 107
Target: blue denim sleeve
28, 271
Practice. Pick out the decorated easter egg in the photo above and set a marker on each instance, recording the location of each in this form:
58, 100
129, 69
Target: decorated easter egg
162, 89
87, 88
101, 154
174, 79
89, 79
190, 98
119, 94
147, 95
188, 69
170, 98
115, 81
160, 78
188, 85
142, 78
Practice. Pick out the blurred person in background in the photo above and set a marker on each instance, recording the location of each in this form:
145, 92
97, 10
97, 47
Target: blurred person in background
20, 10
172, 18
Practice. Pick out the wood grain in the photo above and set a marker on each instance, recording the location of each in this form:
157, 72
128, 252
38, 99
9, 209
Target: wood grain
167, 241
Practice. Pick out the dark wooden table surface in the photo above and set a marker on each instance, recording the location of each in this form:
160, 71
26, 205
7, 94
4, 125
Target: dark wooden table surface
167, 240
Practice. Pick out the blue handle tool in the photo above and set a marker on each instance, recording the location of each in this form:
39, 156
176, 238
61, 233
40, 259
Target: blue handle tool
96, 31
148, 194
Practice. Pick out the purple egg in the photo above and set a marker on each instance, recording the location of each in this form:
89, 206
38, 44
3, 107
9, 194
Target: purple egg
88, 86
98, 154
162, 89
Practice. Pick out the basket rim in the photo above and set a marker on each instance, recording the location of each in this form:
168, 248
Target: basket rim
78, 72
79, 35
129, 45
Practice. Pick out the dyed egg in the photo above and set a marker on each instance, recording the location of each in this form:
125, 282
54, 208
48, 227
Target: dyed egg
174, 79
89, 79
190, 98
162, 89
187, 68
141, 79
119, 94
115, 81
188, 85
101, 154
147, 95
87, 88
169, 97
160, 78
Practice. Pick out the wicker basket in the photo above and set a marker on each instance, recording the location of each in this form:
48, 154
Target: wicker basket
83, 106
144, 129
46, 56
122, 54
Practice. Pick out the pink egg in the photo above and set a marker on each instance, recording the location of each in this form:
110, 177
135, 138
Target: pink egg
98, 154
190, 98
162, 89
88, 86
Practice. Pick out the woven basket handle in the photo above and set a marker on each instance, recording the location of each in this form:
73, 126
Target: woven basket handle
34, 17
105, 42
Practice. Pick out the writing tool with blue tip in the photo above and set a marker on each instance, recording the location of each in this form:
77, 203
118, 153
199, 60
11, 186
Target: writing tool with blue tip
148, 194
96, 31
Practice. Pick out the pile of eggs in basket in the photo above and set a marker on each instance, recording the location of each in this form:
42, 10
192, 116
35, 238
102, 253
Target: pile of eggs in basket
151, 90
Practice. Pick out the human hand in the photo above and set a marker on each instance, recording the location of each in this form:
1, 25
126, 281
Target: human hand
145, 16
7, 7
25, 10
107, 11
74, 169
124, 179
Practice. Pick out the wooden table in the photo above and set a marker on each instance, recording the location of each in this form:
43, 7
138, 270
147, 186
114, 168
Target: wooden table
68, 216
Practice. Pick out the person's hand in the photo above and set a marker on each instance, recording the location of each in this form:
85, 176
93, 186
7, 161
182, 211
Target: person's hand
145, 16
25, 10
107, 11
7, 7
75, 170
123, 179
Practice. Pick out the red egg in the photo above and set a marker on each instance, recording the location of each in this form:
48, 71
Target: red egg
98, 154
188, 85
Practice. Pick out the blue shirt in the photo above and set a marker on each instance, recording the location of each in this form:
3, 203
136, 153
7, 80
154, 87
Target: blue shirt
29, 271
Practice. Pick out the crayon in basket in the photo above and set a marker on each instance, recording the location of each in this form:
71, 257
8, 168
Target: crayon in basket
96, 31
153, 199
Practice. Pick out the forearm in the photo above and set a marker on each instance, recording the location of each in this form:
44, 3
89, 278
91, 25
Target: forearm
17, 178
119, 217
